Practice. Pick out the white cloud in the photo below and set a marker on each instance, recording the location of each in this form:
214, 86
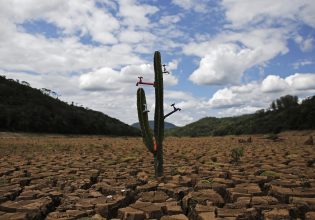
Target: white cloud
102, 79
131, 36
305, 43
234, 111
34, 52
169, 19
225, 64
257, 32
196, 5
226, 57
245, 13
135, 15
301, 81
302, 63
26, 52
70, 17
234, 96
123, 80
250, 97
273, 83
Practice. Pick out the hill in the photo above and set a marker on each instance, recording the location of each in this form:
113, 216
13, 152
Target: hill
284, 114
26, 109
167, 125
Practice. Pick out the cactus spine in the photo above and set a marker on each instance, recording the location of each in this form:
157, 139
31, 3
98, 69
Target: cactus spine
155, 146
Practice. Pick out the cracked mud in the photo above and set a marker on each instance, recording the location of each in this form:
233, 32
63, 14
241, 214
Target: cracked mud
97, 177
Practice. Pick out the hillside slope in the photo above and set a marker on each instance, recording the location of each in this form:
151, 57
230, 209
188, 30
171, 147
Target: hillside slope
26, 109
288, 117
167, 125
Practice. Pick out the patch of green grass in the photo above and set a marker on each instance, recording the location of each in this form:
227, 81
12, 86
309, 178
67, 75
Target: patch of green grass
71, 177
209, 181
270, 173
127, 159
236, 154
3, 182
272, 136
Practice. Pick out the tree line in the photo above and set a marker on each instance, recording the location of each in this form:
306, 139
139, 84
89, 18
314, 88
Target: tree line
23, 108
284, 113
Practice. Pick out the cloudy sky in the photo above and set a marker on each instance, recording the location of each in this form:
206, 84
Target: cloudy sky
226, 57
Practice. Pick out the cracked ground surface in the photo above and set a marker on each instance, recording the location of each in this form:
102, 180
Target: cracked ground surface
98, 177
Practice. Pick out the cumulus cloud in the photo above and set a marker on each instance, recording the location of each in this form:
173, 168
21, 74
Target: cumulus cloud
69, 17
225, 58
256, 32
224, 65
255, 12
134, 14
119, 37
300, 81
125, 79
102, 79
256, 95
273, 83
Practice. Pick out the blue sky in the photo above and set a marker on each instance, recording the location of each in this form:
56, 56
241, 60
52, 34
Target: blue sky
226, 57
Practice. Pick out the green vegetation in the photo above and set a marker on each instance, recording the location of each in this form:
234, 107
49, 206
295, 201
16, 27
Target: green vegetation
273, 137
236, 154
284, 114
155, 146
32, 110
270, 173
305, 182
207, 181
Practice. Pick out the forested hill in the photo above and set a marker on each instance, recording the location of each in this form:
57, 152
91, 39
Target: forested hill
284, 114
26, 109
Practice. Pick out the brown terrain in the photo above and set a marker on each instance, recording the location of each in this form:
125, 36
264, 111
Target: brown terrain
98, 177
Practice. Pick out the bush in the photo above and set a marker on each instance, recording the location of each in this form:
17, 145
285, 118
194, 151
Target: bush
236, 154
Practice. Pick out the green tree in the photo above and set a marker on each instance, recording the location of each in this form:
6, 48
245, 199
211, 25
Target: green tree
273, 106
286, 102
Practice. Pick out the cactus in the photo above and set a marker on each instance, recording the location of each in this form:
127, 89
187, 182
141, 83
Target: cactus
155, 146
158, 114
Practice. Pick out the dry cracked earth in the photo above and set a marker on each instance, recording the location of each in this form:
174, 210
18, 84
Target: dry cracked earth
98, 177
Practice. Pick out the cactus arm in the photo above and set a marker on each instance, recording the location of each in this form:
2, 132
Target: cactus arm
143, 120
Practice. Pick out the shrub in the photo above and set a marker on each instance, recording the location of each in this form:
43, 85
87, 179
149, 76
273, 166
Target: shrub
236, 154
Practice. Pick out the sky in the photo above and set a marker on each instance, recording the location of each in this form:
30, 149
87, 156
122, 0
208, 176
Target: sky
225, 57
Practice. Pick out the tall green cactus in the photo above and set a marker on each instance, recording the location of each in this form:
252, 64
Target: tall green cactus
154, 146
158, 114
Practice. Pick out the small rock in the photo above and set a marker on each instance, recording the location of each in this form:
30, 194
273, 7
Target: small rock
130, 214
207, 216
142, 177
98, 217
310, 216
276, 214
175, 217
309, 141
